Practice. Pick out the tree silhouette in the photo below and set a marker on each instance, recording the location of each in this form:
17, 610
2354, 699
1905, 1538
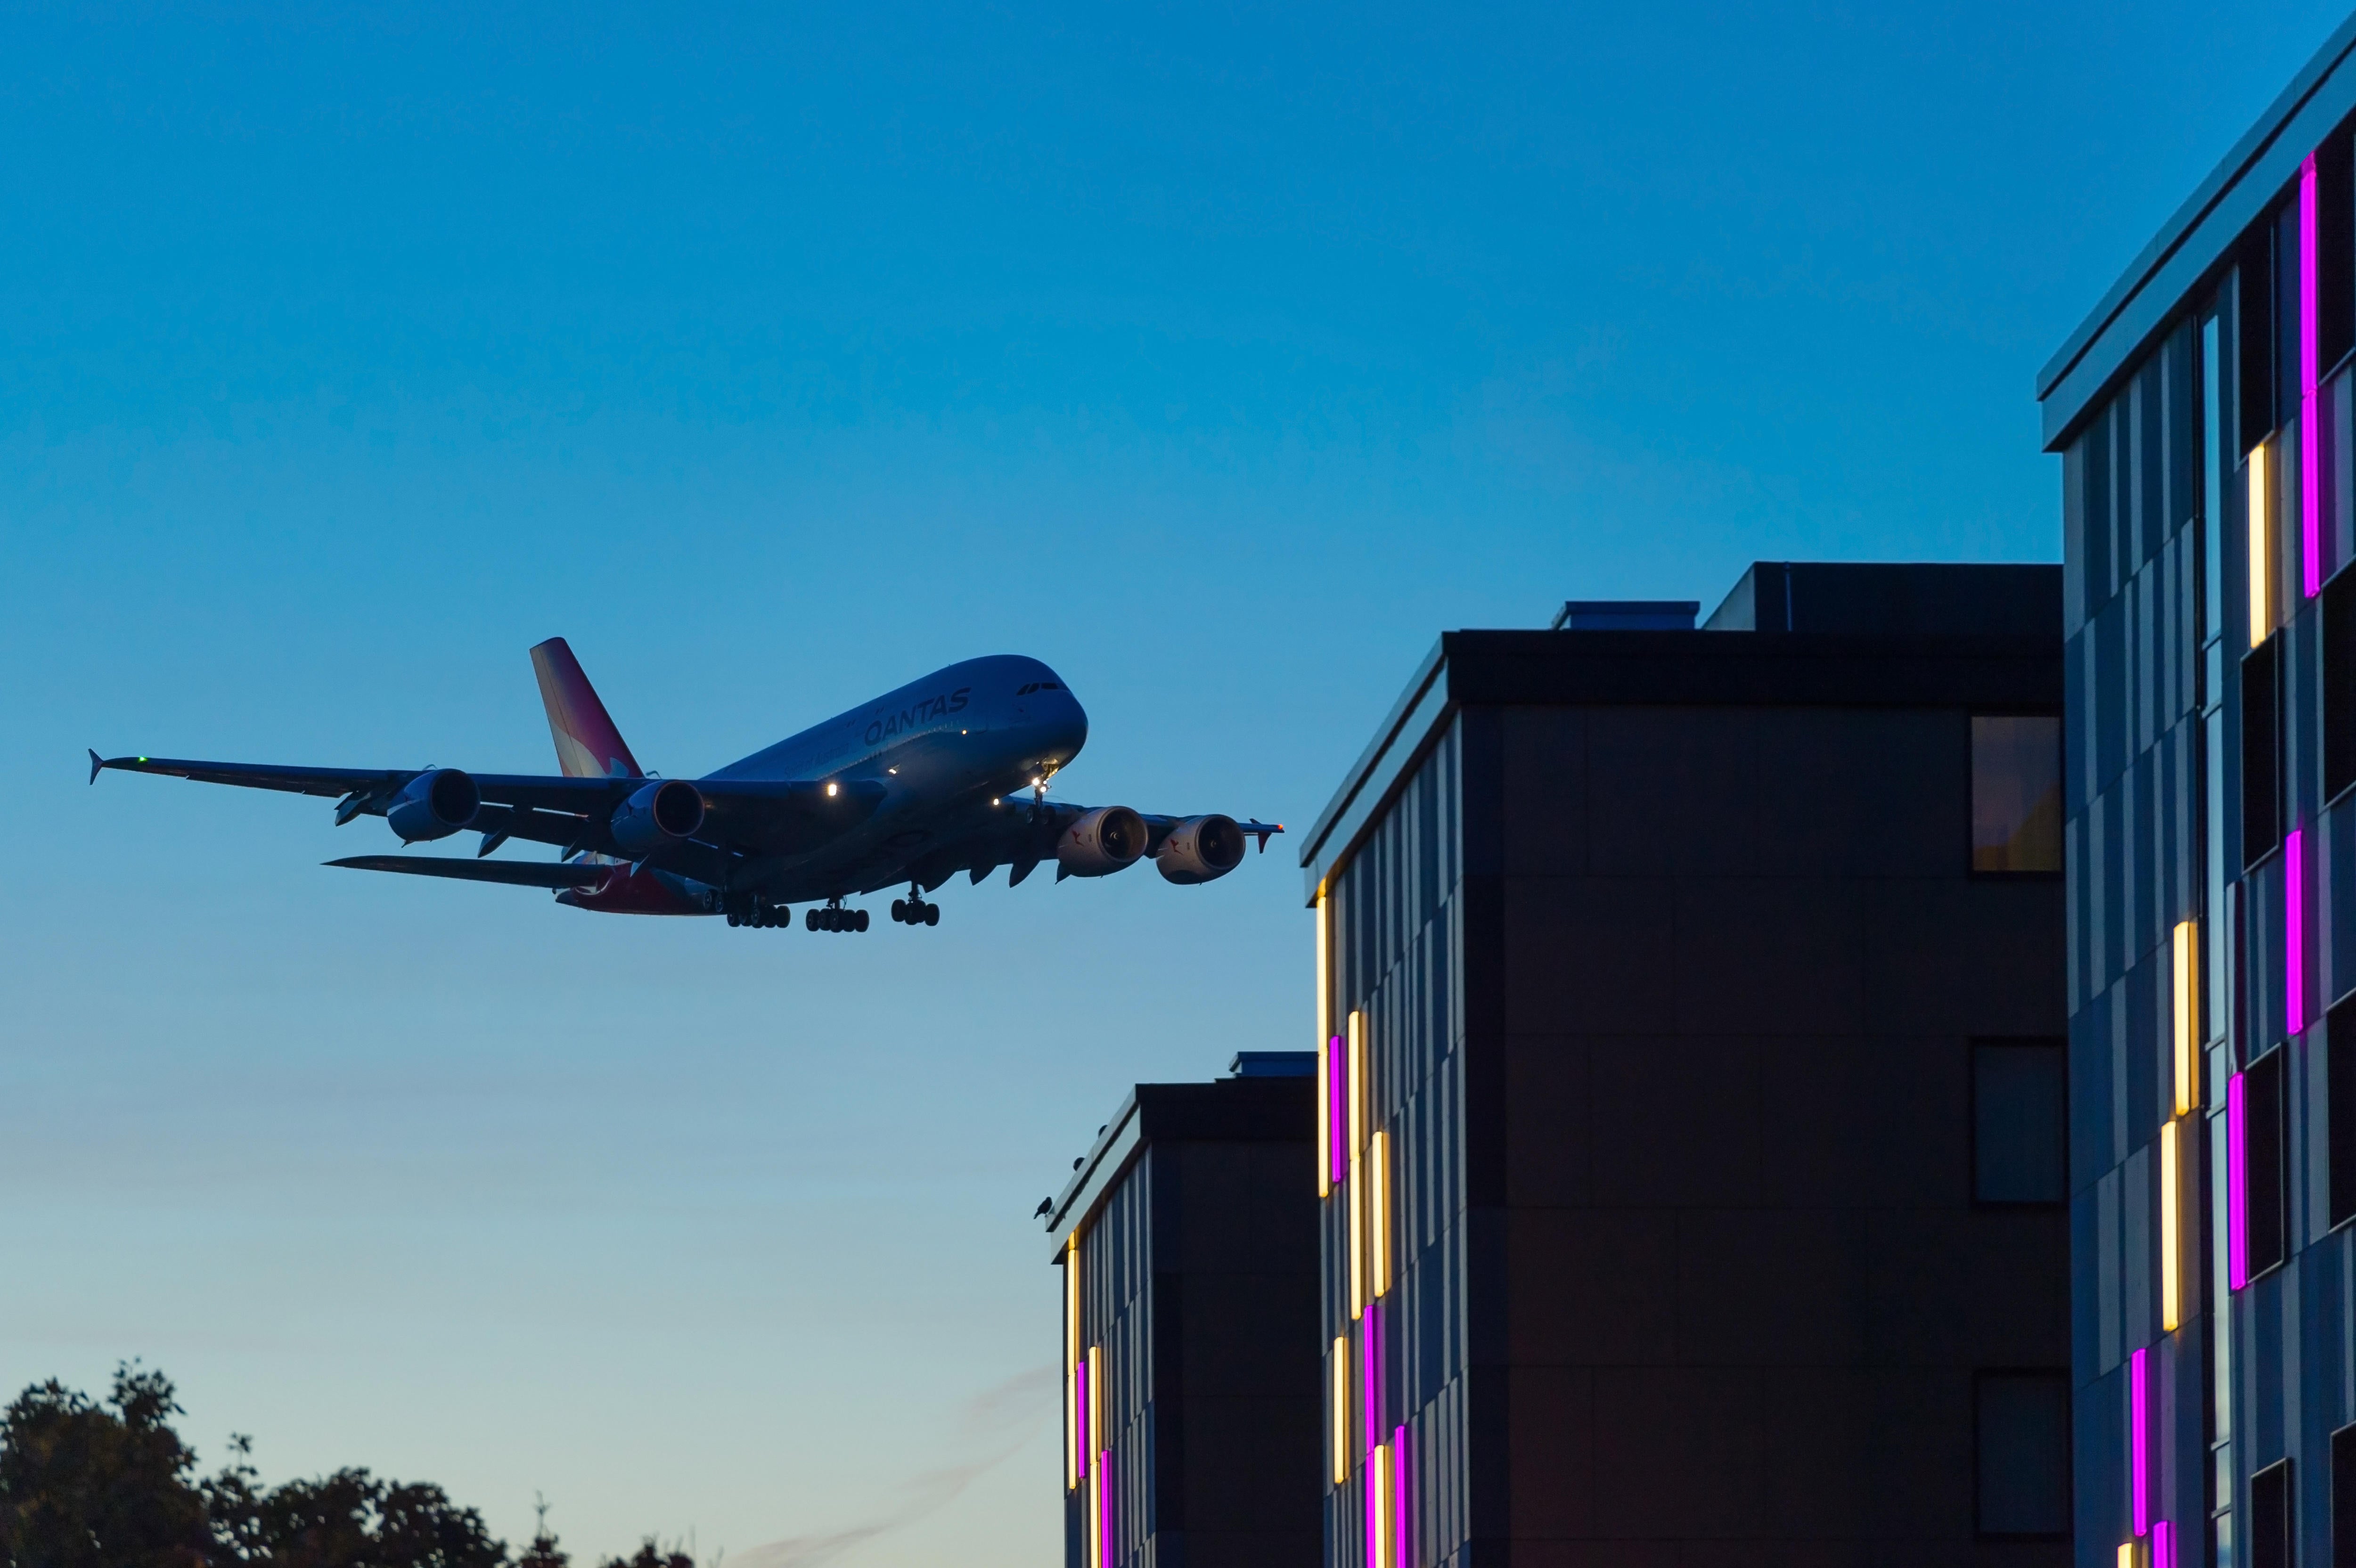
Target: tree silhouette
650, 1556
84, 1485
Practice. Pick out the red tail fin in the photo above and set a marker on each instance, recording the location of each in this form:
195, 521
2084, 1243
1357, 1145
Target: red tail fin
587, 744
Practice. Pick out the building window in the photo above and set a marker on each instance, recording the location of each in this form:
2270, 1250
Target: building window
2270, 1521
2016, 793
2343, 1498
2019, 1152
2265, 1229
2261, 829
2340, 1115
2020, 1429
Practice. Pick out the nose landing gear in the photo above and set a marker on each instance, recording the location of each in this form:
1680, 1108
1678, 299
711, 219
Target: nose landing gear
914, 911
834, 917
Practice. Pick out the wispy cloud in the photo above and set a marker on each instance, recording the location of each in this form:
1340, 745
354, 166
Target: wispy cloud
990, 1426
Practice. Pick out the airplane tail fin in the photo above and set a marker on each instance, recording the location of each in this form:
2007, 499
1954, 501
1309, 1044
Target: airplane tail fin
587, 744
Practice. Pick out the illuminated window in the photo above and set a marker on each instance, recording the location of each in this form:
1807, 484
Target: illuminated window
2016, 793
2021, 1443
2018, 1127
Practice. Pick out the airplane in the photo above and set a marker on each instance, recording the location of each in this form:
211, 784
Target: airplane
948, 773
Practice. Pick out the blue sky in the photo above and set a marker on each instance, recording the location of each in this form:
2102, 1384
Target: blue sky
1219, 358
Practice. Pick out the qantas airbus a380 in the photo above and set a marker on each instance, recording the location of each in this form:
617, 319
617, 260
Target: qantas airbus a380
947, 775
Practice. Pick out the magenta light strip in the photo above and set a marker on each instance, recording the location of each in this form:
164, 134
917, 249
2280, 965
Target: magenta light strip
1374, 1518
1402, 1520
1372, 1340
2138, 1438
1337, 1121
2295, 931
1104, 1507
2310, 436
2237, 1197
1080, 1414
2163, 1545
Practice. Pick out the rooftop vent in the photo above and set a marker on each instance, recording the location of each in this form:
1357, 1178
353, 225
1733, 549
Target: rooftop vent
1274, 1065
1627, 615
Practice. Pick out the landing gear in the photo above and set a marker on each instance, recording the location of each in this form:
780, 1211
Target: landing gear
914, 911
834, 917
761, 915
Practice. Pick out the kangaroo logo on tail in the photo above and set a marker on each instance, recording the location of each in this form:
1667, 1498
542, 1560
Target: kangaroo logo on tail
587, 744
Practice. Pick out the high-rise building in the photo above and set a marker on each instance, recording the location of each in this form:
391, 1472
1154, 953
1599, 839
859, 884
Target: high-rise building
1188, 1241
1690, 1153
2202, 413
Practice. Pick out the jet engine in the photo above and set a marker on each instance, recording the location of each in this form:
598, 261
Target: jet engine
658, 816
1108, 840
1200, 848
434, 805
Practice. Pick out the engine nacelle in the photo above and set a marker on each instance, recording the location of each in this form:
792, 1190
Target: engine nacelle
434, 805
1108, 840
1199, 850
658, 816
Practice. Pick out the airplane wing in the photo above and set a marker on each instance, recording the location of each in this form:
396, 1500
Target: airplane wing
741, 817
515, 873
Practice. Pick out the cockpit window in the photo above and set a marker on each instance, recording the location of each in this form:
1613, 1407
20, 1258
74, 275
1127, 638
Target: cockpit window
1039, 685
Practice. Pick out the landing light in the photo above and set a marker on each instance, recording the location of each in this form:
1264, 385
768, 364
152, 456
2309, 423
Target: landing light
830, 792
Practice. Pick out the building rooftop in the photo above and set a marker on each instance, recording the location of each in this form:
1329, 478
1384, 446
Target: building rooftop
1267, 1107
2193, 243
1837, 635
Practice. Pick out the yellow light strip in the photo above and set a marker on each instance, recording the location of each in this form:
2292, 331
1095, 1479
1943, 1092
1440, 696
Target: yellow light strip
1357, 1240
1324, 1067
2170, 1299
1358, 1101
1097, 1443
1342, 1410
2259, 529
2126, 1554
1378, 1213
1072, 1360
2187, 1006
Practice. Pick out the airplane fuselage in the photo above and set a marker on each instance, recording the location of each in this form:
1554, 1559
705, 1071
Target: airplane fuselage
950, 751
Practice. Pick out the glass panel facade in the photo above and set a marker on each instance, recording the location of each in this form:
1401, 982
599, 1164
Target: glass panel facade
2210, 752
2016, 793
1394, 951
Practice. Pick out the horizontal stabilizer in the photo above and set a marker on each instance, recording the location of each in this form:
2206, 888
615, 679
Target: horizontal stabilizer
515, 873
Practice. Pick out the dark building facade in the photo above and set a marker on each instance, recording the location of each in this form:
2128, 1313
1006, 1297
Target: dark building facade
2202, 414
1690, 1155
1188, 1241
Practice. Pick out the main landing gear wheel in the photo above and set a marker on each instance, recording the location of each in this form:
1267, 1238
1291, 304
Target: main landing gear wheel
914, 911
834, 917
762, 916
